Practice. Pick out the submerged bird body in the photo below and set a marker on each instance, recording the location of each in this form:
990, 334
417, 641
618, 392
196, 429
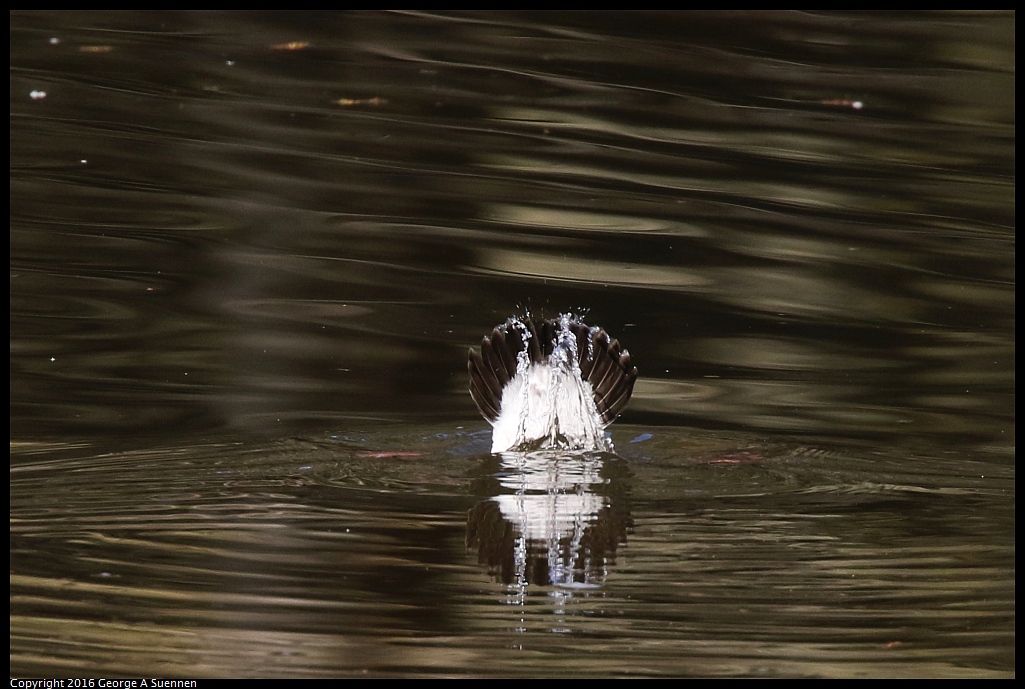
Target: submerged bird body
552, 384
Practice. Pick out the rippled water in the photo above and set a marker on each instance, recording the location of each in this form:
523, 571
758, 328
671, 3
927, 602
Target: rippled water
248, 255
689, 554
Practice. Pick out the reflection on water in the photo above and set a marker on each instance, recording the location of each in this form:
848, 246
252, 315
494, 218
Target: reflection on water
231, 228
550, 522
691, 554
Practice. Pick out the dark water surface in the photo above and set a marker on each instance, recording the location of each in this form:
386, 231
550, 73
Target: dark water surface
248, 255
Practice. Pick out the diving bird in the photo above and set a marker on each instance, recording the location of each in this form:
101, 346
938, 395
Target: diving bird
550, 384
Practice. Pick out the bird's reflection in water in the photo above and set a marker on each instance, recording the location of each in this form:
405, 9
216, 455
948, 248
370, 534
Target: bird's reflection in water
550, 518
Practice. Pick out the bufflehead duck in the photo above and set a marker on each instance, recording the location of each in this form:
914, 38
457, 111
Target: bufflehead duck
550, 384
